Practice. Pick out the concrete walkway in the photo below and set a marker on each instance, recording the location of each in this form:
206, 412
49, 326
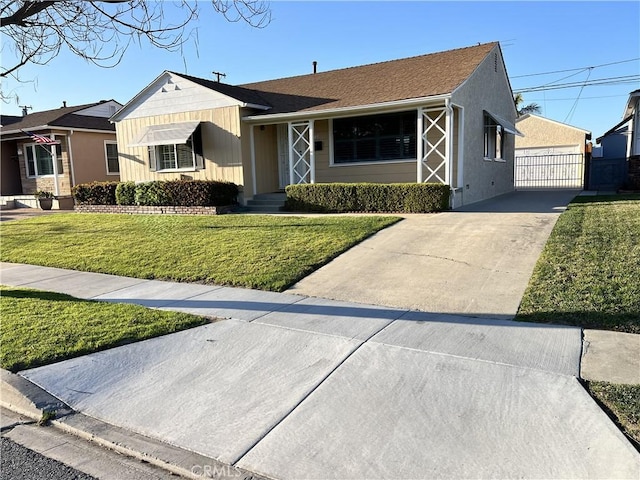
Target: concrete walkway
295, 387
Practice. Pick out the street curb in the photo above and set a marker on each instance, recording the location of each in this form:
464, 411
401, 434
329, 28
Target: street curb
25, 398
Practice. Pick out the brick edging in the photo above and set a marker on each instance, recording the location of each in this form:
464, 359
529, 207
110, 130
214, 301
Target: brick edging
162, 210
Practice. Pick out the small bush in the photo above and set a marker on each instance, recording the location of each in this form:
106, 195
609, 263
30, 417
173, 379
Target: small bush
95, 193
126, 193
368, 197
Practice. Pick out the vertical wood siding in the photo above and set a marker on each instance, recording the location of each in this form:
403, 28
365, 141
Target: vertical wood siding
221, 144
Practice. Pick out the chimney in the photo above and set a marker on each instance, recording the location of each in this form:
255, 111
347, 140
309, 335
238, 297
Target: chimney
64, 104
315, 67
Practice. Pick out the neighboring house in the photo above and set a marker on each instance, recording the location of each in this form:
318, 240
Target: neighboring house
446, 117
619, 157
86, 149
551, 154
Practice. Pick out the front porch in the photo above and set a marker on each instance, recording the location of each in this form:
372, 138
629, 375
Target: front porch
421, 146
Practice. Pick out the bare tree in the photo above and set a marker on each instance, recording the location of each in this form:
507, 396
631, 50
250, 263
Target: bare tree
100, 31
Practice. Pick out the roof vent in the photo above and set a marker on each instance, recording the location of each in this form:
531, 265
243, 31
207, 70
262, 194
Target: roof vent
64, 104
315, 67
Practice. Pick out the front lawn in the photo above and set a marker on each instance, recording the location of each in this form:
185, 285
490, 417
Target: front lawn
589, 271
264, 252
622, 402
39, 327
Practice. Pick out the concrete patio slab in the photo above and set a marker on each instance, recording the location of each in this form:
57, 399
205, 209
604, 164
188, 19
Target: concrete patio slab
345, 319
156, 293
551, 348
611, 357
391, 412
238, 303
215, 390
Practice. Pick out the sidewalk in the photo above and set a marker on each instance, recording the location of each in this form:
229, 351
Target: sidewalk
290, 386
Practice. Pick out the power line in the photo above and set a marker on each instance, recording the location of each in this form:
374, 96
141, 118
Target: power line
576, 69
575, 104
573, 98
599, 81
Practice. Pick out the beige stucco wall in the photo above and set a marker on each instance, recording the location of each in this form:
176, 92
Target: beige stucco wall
486, 89
540, 132
222, 147
89, 156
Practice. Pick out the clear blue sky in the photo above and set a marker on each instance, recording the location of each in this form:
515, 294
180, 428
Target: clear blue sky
536, 37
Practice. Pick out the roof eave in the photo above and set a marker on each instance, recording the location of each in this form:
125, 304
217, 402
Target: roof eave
342, 111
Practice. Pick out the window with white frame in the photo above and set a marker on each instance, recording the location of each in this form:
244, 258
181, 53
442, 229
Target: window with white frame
111, 155
375, 138
493, 139
181, 156
40, 158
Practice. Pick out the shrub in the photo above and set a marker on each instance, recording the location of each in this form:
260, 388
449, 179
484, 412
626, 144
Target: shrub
126, 193
201, 192
152, 194
182, 193
368, 197
95, 193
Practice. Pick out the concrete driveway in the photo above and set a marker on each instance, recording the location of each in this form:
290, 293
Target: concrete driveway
474, 261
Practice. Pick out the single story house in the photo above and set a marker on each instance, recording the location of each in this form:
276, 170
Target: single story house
445, 117
551, 154
85, 150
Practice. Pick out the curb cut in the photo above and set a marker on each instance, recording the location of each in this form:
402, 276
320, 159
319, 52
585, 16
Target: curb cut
25, 398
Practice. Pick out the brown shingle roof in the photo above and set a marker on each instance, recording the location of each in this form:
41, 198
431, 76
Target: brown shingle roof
61, 117
408, 78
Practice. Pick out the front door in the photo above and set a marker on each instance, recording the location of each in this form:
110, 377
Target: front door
283, 155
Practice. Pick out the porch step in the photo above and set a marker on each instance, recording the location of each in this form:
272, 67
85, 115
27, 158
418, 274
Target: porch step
267, 202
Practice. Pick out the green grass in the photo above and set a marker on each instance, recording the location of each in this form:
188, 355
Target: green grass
264, 252
589, 271
622, 403
39, 327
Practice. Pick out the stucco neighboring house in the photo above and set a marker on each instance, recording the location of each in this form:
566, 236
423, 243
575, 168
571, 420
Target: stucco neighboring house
85, 150
444, 117
551, 154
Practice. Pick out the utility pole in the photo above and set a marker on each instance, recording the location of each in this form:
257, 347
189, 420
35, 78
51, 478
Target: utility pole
218, 75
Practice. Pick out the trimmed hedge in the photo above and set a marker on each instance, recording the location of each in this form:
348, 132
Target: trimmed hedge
126, 193
95, 193
183, 193
368, 197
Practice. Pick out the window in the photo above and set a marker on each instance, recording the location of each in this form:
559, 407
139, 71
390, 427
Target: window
181, 156
40, 158
111, 154
375, 138
493, 139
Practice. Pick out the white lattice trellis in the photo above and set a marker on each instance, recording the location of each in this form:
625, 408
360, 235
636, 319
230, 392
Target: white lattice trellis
434, 158
301, 154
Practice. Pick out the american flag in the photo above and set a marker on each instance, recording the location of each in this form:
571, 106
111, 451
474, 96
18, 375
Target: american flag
41, 138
